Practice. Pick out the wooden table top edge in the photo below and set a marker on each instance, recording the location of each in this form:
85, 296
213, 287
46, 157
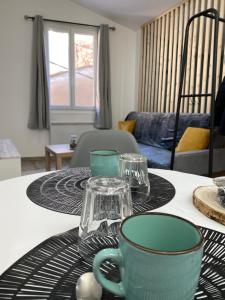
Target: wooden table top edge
55, 149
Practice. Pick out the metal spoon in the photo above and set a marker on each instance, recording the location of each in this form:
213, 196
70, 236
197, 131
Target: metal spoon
88, 288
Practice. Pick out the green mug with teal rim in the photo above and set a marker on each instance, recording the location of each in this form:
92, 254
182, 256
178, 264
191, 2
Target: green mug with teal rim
104, 163
159, 257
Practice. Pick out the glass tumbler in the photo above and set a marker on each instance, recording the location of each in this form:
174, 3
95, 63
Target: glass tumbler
107, 202
134, 170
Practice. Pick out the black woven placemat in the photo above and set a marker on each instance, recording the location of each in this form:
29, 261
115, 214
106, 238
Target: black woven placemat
51, 270
62, 191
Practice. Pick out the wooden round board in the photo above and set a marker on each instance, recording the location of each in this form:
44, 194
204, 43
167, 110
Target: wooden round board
205, 199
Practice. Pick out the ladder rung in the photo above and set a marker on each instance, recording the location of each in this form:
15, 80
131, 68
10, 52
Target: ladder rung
195, 95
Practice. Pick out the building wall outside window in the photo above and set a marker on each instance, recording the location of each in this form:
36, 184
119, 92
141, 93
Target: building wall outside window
15, 73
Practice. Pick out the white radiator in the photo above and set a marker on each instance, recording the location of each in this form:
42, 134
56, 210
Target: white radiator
65, 123
60, 132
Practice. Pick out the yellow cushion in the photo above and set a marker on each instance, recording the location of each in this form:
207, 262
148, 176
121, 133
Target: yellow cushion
193, 139
128, 125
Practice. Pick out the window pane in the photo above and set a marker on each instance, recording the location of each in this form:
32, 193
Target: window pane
84, 69
59, 68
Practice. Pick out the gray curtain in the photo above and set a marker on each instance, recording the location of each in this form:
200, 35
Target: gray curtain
39, 106
103, 114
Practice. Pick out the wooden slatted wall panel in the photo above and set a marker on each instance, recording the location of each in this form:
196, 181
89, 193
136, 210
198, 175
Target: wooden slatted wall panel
162, 43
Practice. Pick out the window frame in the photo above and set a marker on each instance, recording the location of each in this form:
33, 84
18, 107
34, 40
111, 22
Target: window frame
72, 30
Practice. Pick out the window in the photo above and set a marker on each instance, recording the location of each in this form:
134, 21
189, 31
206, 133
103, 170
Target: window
71, 56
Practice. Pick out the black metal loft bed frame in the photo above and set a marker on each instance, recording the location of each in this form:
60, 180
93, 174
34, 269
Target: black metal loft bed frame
212, 14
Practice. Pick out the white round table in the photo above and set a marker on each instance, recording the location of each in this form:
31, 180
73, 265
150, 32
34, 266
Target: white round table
23, 224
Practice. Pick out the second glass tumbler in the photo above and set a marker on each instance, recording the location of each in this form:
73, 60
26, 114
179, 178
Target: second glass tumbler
106, 203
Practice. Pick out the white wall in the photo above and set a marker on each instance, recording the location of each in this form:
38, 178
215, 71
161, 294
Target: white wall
15, 68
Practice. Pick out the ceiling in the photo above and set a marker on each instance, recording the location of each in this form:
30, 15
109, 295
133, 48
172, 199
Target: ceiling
130, 13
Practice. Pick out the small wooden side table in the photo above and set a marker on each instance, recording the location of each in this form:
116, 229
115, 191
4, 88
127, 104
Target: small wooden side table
59, 151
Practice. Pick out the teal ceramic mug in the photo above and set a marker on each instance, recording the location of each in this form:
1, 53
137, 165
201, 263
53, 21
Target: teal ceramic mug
104, 163
159, 257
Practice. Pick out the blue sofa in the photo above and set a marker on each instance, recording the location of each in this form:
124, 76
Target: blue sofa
154, 135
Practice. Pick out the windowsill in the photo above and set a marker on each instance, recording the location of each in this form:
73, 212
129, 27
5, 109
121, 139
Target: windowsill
72, 116
64, 108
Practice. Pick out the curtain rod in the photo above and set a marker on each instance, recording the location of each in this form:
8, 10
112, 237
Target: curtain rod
66, 22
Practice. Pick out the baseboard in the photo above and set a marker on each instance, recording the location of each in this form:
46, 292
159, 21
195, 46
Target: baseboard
33, 158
